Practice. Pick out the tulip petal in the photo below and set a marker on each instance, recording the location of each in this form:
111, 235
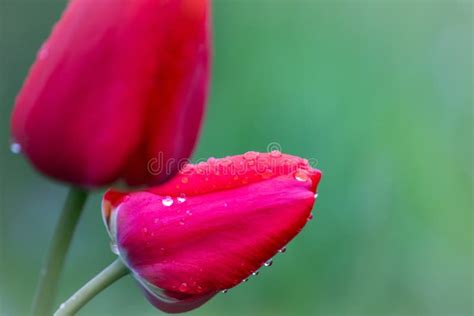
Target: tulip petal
235, 171
80, 111
227, 236
116, 83
169, 301
183, 82
214, 230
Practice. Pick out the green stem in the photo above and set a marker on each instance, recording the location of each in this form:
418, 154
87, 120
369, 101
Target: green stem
52, 266
109, 275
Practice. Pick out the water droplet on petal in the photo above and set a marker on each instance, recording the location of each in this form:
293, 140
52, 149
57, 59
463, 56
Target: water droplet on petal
183, 287
282, 250
268, 263
187, 169
244, 280
114, 247
316, 196
43, 52
167, 201
275, 153
15, 148
301, 175
224, 291
189, 213
181, 198
310, 217
250, 155
185, 180
255, 273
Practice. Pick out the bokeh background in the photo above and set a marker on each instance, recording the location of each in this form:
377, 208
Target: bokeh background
381, 93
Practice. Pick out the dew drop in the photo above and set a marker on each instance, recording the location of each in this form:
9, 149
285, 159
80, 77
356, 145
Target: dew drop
250, 155
255, 273
189, 213
183, 287
43, 52
316, 196
185, 180
181, 222
62, 306
275, 153
15, 148
244, 280
268, 263
300, 175
181, 198
167, 201
310, 217
114, 247
282, 250
199, 289
187, 169
224, 291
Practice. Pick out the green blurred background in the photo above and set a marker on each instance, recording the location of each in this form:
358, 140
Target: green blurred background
379, 92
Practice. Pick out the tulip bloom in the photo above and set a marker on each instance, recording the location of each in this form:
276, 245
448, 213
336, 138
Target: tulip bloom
116, 84
211, 226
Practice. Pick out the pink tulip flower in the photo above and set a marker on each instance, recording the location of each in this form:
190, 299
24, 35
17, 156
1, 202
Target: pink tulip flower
211, 226
116, 84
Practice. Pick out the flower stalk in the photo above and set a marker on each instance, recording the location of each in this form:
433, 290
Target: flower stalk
53, 264
109, 275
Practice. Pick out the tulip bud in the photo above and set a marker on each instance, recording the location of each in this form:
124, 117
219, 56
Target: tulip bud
211, 226
116, 84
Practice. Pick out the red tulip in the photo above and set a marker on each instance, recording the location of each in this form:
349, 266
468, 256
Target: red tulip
210, 227
116, 84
